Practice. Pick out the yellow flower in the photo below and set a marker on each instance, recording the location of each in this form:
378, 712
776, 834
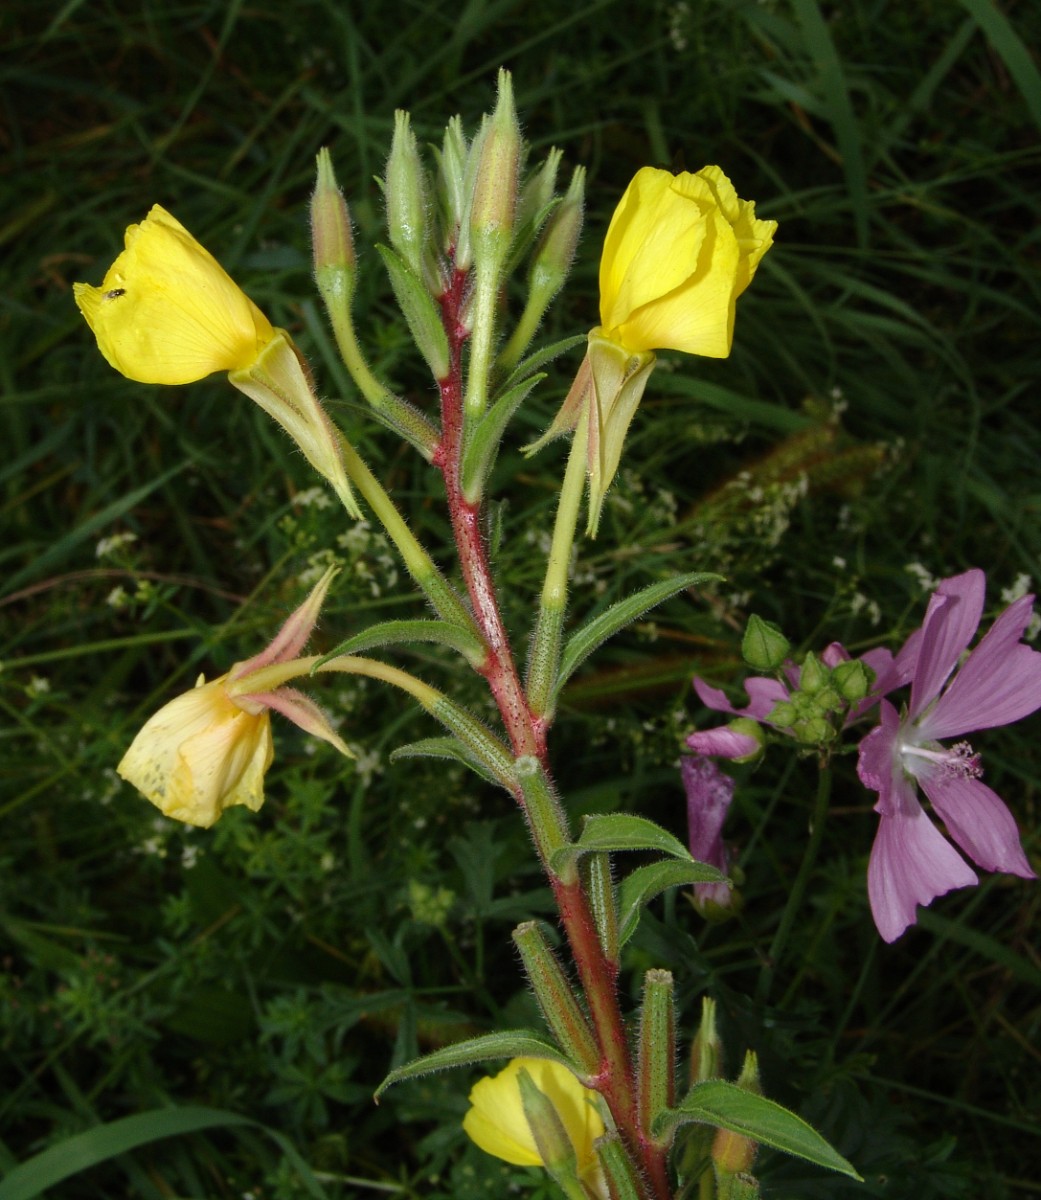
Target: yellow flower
168, 312
496, 1120
209, 749
201, 754
679, 251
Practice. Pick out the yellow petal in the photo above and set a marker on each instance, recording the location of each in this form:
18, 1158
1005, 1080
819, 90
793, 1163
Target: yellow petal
200, 754
168, 312
496, 1120
679, 251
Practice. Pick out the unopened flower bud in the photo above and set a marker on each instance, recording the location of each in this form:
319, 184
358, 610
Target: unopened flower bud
495, 186
538, 189
783, 714
813, 731
853, 679
451, 181
764, 647
406, 195
814, 675
556, 250
706, 1051
733, 1153
547, 1129
331, 240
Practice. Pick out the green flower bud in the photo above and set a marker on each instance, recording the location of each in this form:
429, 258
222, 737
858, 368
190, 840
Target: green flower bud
331, 240
405, 190
538, 189
813, 731
556, 250
814, 674
828, 699
494, 202
764, 647
706, 1051
451, 179
853, 679
732, 1153
783, 714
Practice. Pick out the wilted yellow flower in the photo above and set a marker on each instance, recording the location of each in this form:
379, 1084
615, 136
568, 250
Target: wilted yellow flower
679, 251
496, 1120
209, 749
168, 312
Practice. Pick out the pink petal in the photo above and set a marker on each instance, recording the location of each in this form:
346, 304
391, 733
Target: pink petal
911, 864
979, 821
293, 635
710, 792
834, 653
999, 683
762, 692
877, 765
723, 742
950, 621
302, 711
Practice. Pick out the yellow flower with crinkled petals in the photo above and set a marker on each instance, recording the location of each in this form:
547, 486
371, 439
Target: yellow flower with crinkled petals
201, 754
209, 749
168, 312
679, 251
496, 1120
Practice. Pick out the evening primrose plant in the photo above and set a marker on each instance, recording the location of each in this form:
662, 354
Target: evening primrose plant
597, 1098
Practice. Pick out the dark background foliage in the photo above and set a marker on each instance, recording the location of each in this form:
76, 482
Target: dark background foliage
874, 428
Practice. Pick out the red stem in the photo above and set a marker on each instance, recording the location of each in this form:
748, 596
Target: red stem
527, 733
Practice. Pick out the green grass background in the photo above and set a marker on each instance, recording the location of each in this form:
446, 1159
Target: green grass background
879, 411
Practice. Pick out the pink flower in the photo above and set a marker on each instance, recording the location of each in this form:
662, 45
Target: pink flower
709, 795
1000, 682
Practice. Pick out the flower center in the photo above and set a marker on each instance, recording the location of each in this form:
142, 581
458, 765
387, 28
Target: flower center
959, 761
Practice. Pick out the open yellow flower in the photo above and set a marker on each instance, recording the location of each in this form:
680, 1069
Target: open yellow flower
209, 749
168, 312
497, 1123
679, 251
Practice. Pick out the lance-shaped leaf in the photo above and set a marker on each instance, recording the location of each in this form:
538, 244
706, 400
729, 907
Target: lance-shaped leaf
540, 357
595, 632
446, 747
619, 831
647, 882
727, 1106
388, 633
508, 1043
420, 311
483, 445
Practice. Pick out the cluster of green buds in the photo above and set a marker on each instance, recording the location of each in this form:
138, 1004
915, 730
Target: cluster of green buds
809, 703
456, 233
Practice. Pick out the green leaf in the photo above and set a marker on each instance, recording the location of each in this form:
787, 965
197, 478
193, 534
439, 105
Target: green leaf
542, 356
595, 632
726, 1106
98, 1145
647, 882
509, 1043
482, 448
619, 831
388, 633
446, 747
420, 311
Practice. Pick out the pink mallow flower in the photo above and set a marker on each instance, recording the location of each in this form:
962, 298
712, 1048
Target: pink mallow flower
709, 795
911, 862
